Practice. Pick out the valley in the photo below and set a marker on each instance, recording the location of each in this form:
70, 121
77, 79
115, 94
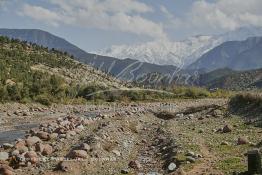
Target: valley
113, 87
131, 138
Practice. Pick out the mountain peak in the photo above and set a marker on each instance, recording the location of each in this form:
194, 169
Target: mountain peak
165, 52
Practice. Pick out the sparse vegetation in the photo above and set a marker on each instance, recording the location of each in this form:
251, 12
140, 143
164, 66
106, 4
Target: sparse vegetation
248, 105
32, 73
199, 92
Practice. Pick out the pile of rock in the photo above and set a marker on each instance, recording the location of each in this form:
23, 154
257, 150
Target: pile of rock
39, 142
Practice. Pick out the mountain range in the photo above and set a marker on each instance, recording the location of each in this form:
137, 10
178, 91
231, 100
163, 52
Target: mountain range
178, 53
234, 55
237, 55
126, 69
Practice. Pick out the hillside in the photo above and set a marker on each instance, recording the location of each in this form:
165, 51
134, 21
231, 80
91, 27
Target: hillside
31, 72
237, 55
127, 69
233, 80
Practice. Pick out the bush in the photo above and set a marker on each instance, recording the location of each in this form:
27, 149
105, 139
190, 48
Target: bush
43, 99
191, 92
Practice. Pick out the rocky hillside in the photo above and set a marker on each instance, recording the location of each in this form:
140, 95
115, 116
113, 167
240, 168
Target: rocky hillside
233, 80
127, 69
29, 72
237, 55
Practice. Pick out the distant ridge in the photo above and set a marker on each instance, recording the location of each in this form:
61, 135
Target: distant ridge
127, 69
236, 55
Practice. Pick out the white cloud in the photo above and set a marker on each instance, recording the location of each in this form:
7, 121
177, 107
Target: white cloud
41, 14
4, 4
117, 15
222, 14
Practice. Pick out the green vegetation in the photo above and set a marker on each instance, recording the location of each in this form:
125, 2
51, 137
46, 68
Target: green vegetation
19, 82
246, 100
22, 81
198, 92
231, 164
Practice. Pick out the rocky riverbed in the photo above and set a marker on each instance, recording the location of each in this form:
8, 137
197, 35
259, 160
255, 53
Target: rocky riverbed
147, 138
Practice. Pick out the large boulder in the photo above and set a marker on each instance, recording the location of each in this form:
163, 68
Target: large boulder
31, 141
48, 149
242, 141
6, 170
79, 154
39, 147
227, 128
43, 135
7, 146
65, 166
4, 156
31, 156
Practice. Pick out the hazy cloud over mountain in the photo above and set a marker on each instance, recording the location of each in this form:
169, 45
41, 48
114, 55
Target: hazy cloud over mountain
116, 15
115, 22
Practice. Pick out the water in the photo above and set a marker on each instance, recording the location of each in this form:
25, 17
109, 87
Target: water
10, 136
18, 132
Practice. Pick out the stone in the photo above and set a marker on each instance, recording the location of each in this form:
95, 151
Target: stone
198, 156
43, 135
116, 152
72, 133
79, 154
201, 118
4, 156
190, 153
219, 130
19, 143
172, 166
31, 141
191, 115
22, 149
190, 159
31, 156
85, 146
134, 164
242, 141
39, 147
80, 127
217, 112
53, 136
15, 152
7, 146
6, 170
224, 143
48, 149
124, 171
227, 128
62, 136
65, 166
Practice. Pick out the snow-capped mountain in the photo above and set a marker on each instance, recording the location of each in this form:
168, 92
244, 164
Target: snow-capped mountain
178, 53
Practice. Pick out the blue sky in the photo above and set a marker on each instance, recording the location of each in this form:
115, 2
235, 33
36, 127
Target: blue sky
95, 24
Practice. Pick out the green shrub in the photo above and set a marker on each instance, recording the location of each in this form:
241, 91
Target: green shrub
43, 99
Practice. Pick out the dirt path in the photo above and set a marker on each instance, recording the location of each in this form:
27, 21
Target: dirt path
208, 160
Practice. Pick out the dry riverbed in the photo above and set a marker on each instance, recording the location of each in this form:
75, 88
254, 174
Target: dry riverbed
193, 137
